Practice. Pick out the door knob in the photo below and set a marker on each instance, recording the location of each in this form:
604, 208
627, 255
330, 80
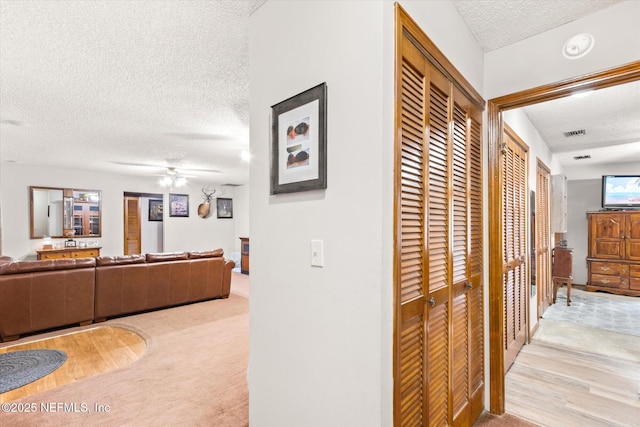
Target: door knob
432, 301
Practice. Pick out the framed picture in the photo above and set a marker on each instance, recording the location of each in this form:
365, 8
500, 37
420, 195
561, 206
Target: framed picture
155, 210
299, 142
69, 243
224, 207
179, 205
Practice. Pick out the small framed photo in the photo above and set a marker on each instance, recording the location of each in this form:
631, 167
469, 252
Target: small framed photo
179, 205
299, 142
155, 210
224, 207
69, 243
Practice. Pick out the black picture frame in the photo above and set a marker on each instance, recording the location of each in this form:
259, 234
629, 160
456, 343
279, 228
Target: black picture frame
299, 142
224, 207
179, 205
155, 210
70, 243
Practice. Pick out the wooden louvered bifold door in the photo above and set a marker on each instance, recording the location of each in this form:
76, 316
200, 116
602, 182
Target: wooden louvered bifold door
439, 374
542, 227
515, 263
132, 226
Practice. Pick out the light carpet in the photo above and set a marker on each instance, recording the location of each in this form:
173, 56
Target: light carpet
193, 373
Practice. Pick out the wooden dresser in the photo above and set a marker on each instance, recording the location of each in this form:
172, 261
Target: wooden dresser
244, 255
69, 253
613, 260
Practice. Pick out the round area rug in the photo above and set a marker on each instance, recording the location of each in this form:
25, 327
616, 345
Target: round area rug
18, 368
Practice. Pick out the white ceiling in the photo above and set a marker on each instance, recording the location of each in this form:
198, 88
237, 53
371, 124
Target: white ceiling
136, 87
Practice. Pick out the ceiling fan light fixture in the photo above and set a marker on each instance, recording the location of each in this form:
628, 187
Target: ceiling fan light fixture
578, 46
173, 179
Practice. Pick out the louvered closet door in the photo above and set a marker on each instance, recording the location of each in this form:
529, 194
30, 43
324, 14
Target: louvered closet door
438, 349
543, 238
132, 226
515, 263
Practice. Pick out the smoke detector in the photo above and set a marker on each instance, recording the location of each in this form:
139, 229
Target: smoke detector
578, 46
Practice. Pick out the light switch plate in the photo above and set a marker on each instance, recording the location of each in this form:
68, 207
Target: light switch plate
317, 256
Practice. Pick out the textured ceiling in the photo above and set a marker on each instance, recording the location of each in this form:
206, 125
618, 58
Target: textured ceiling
109, 85
498, 23
610, 119
134, 87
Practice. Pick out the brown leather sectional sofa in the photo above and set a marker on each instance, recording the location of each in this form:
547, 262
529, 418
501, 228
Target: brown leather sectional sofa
40, 295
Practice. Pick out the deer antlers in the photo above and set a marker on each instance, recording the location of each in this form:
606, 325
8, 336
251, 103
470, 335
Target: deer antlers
208, 192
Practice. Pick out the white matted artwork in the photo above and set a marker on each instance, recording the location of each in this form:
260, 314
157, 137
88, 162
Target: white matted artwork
299, 142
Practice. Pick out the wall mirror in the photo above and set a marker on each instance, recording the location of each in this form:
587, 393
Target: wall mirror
65, 212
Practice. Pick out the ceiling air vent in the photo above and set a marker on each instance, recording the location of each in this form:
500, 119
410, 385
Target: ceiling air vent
575, 133
585, 156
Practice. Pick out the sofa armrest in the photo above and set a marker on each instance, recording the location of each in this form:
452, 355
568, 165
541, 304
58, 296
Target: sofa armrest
226, 277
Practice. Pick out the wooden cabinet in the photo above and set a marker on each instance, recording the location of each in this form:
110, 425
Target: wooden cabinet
244, 255
562, 271
614, 252
68, 253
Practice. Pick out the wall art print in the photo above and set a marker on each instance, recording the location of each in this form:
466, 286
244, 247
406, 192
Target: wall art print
299, 146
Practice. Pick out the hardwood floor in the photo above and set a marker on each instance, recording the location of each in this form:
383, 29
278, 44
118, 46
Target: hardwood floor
89, 352
555, 386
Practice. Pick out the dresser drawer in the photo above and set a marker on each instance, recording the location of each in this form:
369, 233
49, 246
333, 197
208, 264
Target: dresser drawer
56, 255
85, 253
607, 268
604, 280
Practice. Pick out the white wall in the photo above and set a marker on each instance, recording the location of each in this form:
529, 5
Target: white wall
325, 335
316, 332
180, 234
583, 196
151, 232
241, 204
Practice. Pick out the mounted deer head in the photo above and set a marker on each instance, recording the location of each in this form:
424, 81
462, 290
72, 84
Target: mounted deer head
204, 209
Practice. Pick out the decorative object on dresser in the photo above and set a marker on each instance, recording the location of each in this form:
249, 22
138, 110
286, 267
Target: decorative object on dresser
244, 250
562, 271
613, 260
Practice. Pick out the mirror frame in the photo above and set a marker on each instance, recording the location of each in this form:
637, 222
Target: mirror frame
67, 215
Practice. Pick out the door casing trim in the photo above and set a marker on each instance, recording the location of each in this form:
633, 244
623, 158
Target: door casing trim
619, 75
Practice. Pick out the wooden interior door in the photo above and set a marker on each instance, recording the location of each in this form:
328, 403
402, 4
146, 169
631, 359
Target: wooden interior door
515, 269
438, 345
132, 226
544, 285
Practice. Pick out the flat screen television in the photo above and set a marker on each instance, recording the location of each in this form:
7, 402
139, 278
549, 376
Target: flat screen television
621, 191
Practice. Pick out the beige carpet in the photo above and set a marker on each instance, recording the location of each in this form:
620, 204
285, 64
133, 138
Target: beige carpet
192, 373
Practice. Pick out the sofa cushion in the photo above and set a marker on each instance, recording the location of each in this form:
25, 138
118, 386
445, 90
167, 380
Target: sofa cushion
46, 265
4, 261
206, 254
167, 256
120, 260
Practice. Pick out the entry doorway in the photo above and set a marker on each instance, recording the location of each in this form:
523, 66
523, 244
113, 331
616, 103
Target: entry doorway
143, 223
